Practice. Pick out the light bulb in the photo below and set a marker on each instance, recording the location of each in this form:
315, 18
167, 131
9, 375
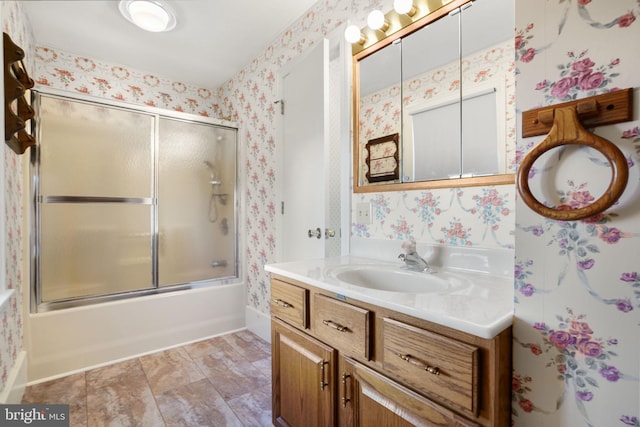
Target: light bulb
404, 7
376, 21
353, 35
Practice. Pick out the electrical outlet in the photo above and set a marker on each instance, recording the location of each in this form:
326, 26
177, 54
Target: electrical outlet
363, 213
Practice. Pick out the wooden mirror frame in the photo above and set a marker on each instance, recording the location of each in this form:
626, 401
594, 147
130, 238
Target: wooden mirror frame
442, 9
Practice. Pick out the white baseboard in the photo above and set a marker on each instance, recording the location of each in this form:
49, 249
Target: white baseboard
16, 381
258, 323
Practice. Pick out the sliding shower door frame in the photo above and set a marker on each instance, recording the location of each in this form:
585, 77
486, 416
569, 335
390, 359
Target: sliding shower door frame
37, 305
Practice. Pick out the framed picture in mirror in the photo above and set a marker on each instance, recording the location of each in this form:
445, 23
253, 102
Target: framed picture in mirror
382, 158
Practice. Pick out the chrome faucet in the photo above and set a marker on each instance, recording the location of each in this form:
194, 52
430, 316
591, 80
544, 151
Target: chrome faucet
412, 260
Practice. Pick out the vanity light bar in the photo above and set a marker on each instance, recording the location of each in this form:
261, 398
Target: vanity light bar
394, 22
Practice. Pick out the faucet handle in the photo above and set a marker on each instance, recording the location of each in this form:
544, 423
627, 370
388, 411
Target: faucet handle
409, 246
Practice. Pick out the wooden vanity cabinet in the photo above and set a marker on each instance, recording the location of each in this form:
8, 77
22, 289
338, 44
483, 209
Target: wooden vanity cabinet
358, 364
303, 378
369, 398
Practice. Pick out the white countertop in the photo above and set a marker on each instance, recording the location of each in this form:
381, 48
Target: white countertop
479, 304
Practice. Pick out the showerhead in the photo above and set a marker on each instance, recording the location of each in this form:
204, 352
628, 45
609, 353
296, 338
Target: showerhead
208, 164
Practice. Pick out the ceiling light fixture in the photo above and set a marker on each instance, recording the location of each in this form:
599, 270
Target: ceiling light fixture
150, 15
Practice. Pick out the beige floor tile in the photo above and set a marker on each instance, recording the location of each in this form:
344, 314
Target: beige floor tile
206, 347
232, 376
70, 390
107, 375
196, 404
253, 408
122, 400
223, 381
264, 365
247, 346
170, 369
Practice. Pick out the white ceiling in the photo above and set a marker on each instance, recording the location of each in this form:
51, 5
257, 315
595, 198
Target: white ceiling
212, 41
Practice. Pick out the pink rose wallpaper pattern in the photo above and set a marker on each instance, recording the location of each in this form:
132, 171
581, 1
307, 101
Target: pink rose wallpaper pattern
65, 71
577, 297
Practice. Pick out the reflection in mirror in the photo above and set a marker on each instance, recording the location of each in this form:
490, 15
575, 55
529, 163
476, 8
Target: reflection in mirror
488, 76
453, 105
431, 101
380, 100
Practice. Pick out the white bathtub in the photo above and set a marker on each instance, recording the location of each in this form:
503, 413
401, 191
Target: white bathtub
71, 340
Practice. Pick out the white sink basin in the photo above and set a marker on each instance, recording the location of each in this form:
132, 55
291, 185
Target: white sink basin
390, 279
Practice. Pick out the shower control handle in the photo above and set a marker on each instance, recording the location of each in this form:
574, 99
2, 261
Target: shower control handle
317, 233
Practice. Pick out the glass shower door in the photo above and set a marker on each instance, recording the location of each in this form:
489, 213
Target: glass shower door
95, 200
196, 202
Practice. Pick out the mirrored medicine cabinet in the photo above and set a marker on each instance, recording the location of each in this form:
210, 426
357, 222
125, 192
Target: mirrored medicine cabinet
434, 102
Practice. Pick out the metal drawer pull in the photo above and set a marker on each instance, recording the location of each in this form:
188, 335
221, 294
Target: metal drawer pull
420, 364
323, 383
281, 303
335, 326
345, 399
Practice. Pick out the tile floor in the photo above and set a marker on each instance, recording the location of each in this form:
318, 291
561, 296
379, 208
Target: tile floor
223, 381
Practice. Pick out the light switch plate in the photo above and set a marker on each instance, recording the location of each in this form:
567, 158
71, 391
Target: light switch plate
363, 213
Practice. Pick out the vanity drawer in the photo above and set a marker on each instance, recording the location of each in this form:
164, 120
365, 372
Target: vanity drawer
290, 303
344, 326
431, 363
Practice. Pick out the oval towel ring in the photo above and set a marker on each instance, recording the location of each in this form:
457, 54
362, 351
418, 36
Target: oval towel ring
567, 130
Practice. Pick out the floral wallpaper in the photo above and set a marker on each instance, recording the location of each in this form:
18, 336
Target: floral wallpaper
11, 317
577, 287
65, 71
472, 216
248, 99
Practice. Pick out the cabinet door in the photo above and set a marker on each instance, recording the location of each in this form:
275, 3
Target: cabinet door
303, 378
371, 399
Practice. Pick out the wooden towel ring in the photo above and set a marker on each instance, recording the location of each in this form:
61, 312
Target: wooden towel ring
566, 130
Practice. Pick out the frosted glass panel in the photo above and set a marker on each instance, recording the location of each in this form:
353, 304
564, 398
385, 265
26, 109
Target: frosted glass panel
94, 249
196, 202
92, 150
